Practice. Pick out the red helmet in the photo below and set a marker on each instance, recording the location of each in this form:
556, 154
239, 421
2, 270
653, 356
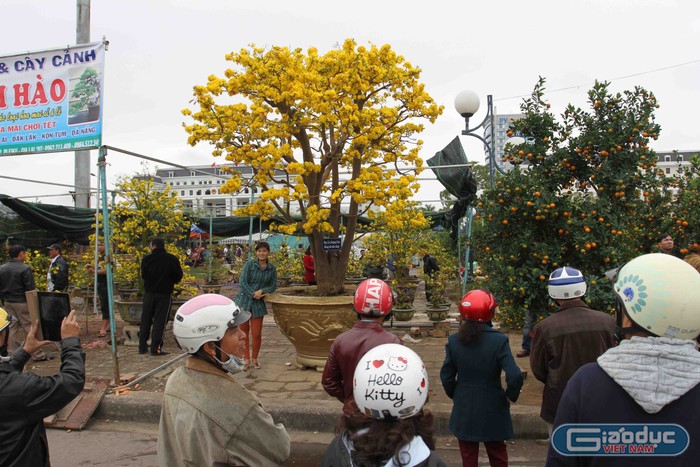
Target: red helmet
477, 305
373, 298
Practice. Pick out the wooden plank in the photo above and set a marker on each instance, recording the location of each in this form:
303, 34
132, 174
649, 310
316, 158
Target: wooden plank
77, 413
63, 414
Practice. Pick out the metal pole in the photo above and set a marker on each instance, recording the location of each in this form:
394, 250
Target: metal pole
102, 164
467, 264
211, 252
491, 144
82, 158
250, 221
96, 259
156, 370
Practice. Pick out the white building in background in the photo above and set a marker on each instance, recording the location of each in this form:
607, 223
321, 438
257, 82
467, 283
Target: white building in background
502, 123
669, 162
199, 187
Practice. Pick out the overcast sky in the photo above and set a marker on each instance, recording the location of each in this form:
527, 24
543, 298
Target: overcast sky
159, 49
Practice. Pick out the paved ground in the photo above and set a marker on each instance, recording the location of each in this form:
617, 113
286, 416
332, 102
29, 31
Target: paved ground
115, 444
286, 390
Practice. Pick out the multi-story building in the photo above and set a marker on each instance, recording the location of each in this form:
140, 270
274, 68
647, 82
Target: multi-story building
669, 162
502, 124
199, 188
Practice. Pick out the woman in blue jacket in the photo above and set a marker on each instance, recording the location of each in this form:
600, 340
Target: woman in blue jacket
471, 376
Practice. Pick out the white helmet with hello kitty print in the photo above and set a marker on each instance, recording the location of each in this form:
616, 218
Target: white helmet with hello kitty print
390, 381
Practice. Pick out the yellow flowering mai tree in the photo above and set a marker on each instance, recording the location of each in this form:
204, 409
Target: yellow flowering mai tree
142, 212
321, 132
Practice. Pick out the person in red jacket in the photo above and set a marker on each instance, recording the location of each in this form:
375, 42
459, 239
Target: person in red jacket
309, 272
373, 303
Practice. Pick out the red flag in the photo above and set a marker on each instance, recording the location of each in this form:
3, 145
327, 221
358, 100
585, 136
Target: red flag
213, 164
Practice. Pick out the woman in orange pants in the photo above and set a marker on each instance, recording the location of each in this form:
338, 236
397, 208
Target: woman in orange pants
258, 278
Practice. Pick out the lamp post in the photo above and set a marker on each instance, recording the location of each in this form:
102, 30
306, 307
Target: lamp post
467, 104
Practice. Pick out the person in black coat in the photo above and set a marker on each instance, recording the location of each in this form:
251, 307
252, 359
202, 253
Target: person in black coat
26, 398
430, 267
160, 271
471, 377
58, 270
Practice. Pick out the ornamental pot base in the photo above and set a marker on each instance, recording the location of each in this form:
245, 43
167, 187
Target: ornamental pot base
438, 313
311, 323
403, 314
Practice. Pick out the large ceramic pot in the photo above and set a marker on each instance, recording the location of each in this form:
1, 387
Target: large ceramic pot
211, 288
311, 323
128, 293
130, 311
437, 312
403, 314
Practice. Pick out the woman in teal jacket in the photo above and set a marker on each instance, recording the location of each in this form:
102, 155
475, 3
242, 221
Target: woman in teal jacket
471, 377
258, 278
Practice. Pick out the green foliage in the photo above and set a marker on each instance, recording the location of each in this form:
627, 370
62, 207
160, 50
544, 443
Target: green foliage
584, 193
40, 267
355, 266
438, 244
289, 263
686, 228
397, 232
142, 213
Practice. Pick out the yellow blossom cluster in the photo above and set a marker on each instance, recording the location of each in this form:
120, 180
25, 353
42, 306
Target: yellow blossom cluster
320, 129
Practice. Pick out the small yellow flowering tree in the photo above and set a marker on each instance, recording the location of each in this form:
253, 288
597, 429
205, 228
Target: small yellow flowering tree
320, 131
144, 212
398, 233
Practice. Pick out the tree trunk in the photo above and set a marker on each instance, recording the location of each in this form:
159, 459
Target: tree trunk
330, 268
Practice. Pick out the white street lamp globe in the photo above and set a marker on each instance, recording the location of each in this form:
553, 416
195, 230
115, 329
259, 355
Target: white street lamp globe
515, 140
467, 103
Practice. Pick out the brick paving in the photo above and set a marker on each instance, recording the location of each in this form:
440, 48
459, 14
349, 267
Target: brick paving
280, 378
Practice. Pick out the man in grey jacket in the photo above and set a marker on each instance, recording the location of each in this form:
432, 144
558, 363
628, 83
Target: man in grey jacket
208, 418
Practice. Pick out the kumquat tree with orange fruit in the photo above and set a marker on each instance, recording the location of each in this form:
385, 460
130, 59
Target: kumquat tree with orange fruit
584, 191
686, 226
325, 134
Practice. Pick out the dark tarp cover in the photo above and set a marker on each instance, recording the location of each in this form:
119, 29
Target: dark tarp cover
77, 224
59, 222
458, 181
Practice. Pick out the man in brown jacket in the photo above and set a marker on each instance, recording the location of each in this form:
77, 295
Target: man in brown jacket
373, 302
569, 338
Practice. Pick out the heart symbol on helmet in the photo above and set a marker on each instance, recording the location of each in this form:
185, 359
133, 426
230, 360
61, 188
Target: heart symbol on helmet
422, 383
378, 363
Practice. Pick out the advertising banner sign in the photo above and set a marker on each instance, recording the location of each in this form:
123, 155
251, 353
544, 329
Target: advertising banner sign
51, 101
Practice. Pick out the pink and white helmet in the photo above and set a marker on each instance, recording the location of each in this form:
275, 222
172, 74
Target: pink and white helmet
205, 318
390, 381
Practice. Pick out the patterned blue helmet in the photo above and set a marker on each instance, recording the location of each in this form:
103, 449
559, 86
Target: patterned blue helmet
566, 283
660, 294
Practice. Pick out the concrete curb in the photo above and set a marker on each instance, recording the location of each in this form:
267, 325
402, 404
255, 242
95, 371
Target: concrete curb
299, 415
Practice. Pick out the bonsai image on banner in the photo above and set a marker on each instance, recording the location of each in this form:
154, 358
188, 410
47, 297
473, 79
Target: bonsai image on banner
84, 104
